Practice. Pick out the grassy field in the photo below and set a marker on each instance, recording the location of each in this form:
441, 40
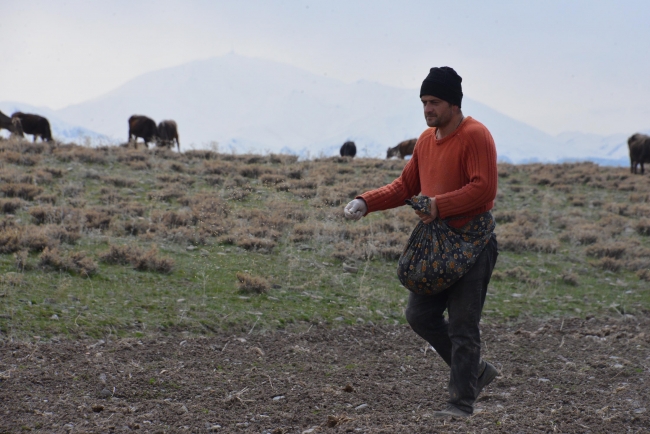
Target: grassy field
116, 241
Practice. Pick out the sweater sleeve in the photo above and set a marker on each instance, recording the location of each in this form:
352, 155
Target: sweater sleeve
395, 193
481, 169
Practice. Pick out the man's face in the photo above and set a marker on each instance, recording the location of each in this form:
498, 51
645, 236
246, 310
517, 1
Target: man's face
437, 112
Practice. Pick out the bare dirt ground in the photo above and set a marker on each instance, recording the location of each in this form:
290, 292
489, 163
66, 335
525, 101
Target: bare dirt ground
557, 375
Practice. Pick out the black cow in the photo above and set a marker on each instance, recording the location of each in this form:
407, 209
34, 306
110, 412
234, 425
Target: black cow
167, 133
12, 124
142, 126
639, 145
349, 149
33, 124
402, 149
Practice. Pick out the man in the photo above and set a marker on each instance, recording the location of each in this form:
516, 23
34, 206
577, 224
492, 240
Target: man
454, 163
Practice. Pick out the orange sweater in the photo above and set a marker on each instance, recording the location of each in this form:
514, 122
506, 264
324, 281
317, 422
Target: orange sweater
460, 171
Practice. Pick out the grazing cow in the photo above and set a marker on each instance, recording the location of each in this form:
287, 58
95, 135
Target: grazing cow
639, 145
402, 149
33, 124
167, 133
11, 124
142, 126
349, 149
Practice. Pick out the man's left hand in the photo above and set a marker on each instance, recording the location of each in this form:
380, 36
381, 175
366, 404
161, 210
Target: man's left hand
428, 218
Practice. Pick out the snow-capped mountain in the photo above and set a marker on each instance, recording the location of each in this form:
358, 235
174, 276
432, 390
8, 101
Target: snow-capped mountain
253, 105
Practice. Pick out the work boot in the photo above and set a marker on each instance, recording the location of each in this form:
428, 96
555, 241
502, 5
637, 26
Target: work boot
489, 373
452, 411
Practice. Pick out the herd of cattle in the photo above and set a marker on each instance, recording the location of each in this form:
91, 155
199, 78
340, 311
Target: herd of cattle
401, 150
20, 123
166, 133
163, 134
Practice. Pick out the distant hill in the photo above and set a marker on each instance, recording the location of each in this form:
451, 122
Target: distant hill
253, 105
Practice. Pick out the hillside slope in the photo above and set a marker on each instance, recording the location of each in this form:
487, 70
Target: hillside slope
254, 105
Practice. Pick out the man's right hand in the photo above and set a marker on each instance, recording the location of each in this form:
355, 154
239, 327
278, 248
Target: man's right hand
355, 209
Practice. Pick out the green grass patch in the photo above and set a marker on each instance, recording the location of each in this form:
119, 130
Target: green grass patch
252, 243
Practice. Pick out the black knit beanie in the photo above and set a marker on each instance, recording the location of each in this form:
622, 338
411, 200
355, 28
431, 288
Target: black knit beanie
443, 83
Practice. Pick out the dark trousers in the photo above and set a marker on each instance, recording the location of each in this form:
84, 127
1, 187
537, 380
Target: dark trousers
458, 340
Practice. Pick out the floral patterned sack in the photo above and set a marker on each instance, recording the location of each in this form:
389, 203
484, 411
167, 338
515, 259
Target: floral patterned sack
437, 255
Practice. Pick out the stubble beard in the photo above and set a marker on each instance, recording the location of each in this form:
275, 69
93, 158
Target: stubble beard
437, 121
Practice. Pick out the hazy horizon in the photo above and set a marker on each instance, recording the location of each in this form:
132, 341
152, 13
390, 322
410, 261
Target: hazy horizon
557, 66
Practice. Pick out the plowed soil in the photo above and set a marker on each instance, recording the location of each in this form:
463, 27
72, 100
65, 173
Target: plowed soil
557, 375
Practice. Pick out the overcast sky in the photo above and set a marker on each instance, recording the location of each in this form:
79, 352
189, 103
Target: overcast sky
556, 65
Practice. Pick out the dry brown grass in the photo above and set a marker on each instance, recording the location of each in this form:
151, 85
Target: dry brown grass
119, 181
131, 155
252, 284
283, 159
219, 168
168, 178
72, 189
519, 273
166, 194
109, 196
583, 234
120, 255
615, 250
19, 159
609, 264
133, 209
637, 264
150, 261
214, 180
137, 258
644, 274
201, 155
54, 171
251, 242
272, 178
69, 234
570, 278
643, 226
10, 206
177, 167
81, 155
23, 191
77, 262
10, 240
53, 214
21, 260
139, 165
305, 231
641, 210
97, 219
14, 238
260, 202
130, 227
172, 219
37, 239
25, 146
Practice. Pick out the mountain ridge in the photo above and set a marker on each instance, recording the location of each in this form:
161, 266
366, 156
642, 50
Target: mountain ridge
253, 105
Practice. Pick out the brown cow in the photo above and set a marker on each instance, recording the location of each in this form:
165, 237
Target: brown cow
142, 126
11, 124
348, 149
639, 145
167, 133
34, 124
402, 149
